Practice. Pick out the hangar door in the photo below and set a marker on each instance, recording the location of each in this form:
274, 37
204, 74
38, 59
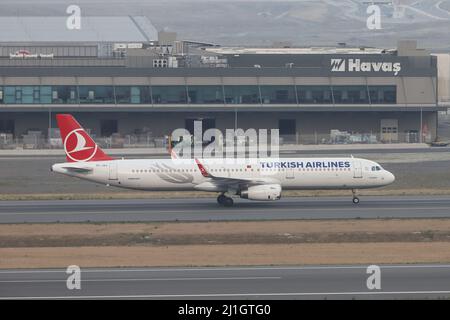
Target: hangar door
389, 130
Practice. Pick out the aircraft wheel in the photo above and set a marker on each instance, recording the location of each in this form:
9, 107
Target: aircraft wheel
355, 200
228, 202
221, 199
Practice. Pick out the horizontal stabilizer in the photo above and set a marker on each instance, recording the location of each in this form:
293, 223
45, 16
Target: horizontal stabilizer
78, 169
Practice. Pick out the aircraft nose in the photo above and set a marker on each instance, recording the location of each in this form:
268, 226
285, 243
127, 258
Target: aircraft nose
390, 178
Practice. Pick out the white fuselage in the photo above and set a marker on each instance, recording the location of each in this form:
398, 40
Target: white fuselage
179, 174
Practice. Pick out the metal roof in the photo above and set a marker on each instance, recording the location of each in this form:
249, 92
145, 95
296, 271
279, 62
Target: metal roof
310, 50
93, 29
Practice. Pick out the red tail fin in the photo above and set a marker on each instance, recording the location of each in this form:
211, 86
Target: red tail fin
78, 145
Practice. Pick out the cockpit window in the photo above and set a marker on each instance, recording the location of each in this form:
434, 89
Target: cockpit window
376, 168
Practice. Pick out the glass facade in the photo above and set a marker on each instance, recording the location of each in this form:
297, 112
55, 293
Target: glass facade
314, 95
64, 95
278, 94
382, 94
96, 94
201, 94
242, 95
350, 95
169, 94
27, 94
133, 95
205, 95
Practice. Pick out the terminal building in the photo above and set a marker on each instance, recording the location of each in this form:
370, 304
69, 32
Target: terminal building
128, 93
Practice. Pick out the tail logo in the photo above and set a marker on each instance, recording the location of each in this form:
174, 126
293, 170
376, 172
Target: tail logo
79, 146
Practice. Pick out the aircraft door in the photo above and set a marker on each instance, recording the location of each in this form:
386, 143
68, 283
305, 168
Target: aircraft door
357, 169
113, 170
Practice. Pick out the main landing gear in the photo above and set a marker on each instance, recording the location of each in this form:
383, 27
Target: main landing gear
225, 201
355, 198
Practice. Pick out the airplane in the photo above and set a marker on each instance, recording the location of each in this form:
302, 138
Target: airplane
258, 179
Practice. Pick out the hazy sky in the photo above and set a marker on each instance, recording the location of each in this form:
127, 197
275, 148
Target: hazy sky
261, 23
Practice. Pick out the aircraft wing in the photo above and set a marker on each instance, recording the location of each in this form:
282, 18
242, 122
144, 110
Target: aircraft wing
234, 182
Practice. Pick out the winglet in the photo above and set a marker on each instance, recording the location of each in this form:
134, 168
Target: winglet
202, 169
172, 153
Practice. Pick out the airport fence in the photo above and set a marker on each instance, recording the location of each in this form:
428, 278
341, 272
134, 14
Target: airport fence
35, 140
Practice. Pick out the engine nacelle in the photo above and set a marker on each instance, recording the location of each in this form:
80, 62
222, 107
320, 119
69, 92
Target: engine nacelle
267, 192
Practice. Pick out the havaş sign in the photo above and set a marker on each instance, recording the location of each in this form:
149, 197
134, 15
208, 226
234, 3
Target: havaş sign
355, 65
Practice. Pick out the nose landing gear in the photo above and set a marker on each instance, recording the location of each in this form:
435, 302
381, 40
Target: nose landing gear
225, 201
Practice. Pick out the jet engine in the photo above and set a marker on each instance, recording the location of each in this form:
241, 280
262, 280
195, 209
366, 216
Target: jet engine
267, 192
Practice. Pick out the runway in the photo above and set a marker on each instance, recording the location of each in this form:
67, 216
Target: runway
315, 282
206, 209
